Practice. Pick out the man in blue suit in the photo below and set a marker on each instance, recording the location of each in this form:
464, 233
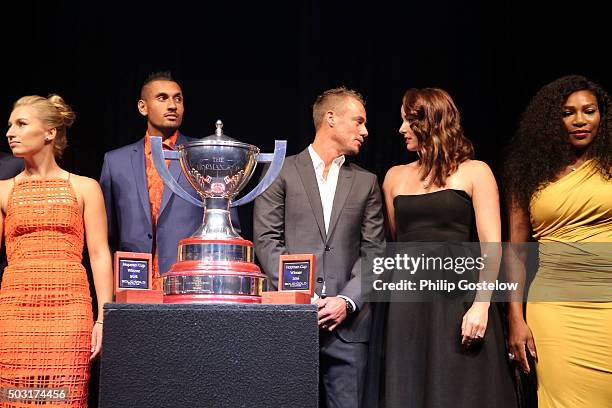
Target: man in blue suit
9, 167
143, 215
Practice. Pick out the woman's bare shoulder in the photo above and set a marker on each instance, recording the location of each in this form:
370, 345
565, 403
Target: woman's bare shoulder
84, 184
6, 185
401, 170
475, 166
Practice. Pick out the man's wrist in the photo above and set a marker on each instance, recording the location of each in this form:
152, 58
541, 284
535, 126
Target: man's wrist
350, 305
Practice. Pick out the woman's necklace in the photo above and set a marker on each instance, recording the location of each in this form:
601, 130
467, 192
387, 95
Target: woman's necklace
425, 183
578, 163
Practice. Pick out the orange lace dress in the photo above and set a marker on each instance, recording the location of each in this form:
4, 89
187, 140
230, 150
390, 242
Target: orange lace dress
45, 305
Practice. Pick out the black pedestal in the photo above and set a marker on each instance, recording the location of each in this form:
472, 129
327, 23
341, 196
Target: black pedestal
209, 355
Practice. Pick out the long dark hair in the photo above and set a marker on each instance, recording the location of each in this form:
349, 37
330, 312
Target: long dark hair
436, 122
540, 148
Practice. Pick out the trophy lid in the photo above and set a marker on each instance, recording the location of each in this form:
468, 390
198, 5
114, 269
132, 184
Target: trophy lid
220, 139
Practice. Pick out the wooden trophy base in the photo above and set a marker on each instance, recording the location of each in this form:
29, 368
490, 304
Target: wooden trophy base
285, 298
139, 296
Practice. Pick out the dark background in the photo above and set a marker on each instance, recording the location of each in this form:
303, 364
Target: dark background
259, 65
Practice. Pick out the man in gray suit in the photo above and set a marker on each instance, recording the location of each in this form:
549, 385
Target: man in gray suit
324, 205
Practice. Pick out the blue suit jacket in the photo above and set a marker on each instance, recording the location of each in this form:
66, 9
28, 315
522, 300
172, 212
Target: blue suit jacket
124, 185
9, 167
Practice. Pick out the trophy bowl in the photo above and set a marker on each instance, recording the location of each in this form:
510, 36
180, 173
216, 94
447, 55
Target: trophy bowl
218, 167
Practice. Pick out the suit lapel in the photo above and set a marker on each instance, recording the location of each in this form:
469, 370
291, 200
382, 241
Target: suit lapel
175, 171
140, 175
343, 188
305, 170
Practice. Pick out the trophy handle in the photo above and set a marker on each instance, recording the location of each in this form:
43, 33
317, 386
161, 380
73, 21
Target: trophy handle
159, 160
276, 160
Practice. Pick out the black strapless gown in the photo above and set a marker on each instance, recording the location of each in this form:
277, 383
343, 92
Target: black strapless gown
425, 365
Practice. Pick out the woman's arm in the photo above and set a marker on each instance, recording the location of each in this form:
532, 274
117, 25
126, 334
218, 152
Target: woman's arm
94, 218
5, 188
519, 334
485, 199
389, 187
2, 209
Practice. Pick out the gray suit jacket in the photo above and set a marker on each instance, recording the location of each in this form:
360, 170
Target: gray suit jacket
288, 219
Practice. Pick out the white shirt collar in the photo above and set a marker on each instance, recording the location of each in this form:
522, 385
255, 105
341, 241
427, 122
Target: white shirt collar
319, 164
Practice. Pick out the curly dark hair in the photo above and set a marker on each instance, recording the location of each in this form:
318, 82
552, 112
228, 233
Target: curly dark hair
541, 149
436, 122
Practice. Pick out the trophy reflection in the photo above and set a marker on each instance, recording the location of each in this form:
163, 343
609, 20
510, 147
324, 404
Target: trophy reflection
215, 264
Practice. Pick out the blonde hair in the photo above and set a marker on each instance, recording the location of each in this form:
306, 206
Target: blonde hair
332, 99
54, 113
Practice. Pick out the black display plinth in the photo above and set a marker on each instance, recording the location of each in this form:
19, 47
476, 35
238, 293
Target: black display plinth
209, 355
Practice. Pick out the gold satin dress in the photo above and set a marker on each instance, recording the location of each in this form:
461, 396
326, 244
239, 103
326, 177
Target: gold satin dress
569, 307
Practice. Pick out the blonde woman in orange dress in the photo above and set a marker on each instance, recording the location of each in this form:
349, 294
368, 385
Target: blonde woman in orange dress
47, 333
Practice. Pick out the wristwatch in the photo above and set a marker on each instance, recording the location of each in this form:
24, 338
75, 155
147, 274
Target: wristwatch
349, 307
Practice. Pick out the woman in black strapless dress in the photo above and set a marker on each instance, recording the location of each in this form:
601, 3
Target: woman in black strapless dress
448, 352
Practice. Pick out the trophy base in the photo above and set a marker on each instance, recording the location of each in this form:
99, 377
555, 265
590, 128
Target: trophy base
225, 273
214, 281
212, 299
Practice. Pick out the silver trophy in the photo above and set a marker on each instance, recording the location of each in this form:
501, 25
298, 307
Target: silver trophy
215, 264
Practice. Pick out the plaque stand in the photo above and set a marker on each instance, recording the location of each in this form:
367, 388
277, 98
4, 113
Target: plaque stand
139, 290
286, 295
285, 298
139, 296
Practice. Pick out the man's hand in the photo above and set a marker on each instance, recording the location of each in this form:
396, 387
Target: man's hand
332, 311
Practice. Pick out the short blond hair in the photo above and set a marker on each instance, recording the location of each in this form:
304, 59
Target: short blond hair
332, 99
54, 113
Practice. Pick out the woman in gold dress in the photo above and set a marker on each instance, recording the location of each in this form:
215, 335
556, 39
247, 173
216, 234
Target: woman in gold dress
558, 178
